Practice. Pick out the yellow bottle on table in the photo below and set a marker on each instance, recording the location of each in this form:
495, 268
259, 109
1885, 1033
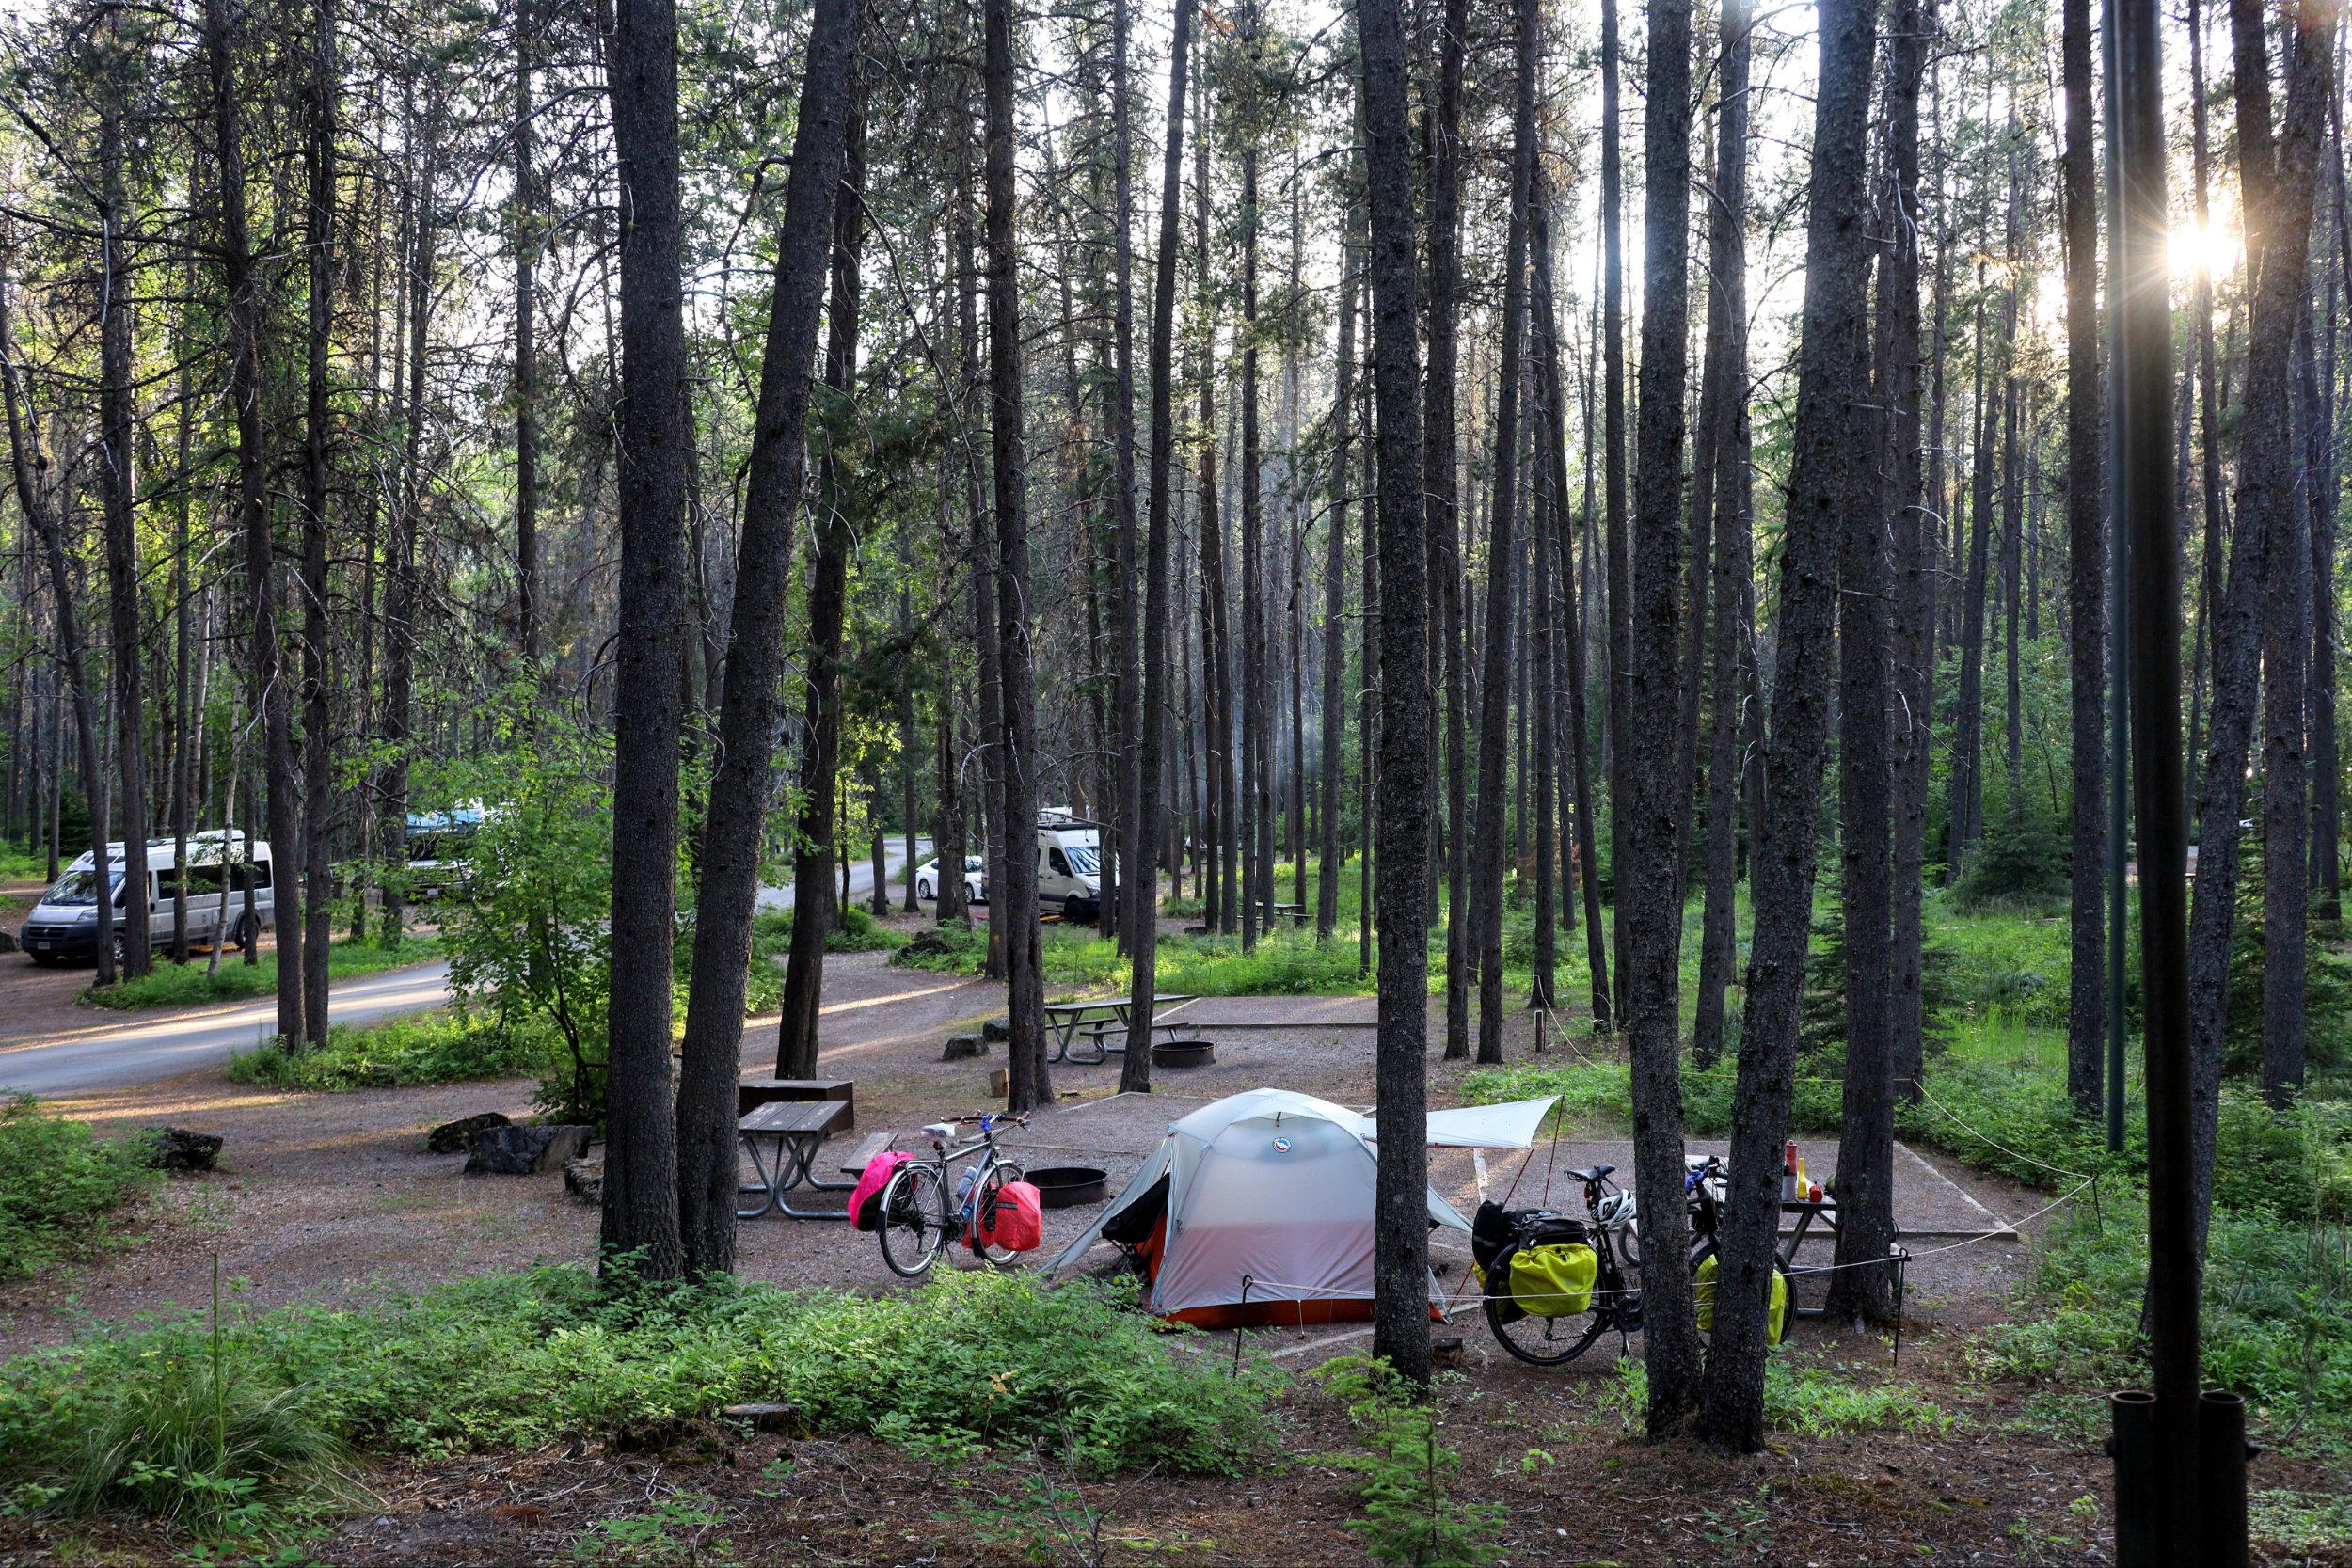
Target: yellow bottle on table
1802, 1188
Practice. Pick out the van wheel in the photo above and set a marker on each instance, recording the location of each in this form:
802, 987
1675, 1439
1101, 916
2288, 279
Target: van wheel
242, 937
1073, 910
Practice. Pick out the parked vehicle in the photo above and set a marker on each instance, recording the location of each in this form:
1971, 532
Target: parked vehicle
1068, 864
975, 880
220, 866
439, 845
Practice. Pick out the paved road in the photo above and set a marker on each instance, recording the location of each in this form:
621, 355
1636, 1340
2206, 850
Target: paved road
113, 1057
118, 1055
862, 873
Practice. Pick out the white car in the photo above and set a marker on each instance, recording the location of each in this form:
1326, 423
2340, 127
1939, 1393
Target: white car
975, 881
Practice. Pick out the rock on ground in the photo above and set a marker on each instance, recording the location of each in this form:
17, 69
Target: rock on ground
526, 1150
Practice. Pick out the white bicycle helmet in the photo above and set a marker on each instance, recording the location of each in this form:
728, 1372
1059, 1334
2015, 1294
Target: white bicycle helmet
1615, 1212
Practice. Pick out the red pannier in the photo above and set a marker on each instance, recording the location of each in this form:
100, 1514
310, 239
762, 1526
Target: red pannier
1013, 1219
866, 1200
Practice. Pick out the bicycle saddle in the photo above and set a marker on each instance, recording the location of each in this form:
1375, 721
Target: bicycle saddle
1595, 1174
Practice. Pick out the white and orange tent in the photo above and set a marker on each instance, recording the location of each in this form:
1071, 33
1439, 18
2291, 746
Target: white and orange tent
1258, 1209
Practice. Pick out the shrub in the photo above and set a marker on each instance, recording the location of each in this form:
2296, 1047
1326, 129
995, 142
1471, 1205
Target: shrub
57, 1185
2020, 863
519, 1359
428, 1048
197, 984
2274, 1325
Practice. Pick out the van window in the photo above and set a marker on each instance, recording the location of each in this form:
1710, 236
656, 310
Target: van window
253, 872
206, 881
1060, 863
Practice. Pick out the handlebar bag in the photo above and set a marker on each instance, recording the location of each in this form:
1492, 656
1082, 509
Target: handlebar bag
866, 1200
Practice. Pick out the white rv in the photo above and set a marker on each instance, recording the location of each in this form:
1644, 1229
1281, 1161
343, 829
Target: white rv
1068, 864
221, 866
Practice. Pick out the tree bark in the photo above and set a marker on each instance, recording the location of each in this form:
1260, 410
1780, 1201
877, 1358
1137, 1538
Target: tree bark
318, 873
1136, 1072
1401, 1256
1441, 476
817, 847
640, 1232
1616, 601
1329, 851
2086, 553
1915, 504
1722, 435
1650, 813
244, 375
1830, 479
25, 463
821, 223
122, 570
1015, 903
526, 345
1502, 554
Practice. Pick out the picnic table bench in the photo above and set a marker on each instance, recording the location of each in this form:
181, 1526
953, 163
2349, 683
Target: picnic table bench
793, 1132
1294, 913
1071, 1021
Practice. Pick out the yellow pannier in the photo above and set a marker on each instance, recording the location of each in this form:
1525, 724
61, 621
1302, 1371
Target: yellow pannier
1702, 1295
1554, 1281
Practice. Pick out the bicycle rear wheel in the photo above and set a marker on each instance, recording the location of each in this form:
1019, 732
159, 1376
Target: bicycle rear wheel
983, 1199
915, 1208
1546, 1341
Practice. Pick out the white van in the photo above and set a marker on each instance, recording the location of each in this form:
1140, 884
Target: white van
1069, 865
221, 863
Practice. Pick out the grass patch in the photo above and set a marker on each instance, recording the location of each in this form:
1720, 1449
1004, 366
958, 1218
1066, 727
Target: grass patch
1810, 1401
195, 985
970, 1361
58, 1186
1285, 964
2301, 1522
425, 1048
2274, 1328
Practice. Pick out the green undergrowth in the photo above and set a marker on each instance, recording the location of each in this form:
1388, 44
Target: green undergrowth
2276, 1329
973, 1360
1285, 964
1808, 1401
59, 1186
445, 1047
855, 930
195, 984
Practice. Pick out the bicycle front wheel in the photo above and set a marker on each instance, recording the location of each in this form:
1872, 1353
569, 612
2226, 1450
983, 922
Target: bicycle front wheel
915, 1219
984, 1202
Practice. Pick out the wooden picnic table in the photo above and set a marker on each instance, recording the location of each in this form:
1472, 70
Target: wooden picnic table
1806, 1212
753, 1091
1294, 913
794, 1130
1096, 1019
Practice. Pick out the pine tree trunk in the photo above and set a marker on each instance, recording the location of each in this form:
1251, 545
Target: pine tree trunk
823, 222
526, 345
1329, 853
318, 873
26, 462
122, 587
1401, 1241
1502, 553
1723, 437
1136, 1072
1617, 600
1831, 478
1650, 814
641, 1207
1015, 905
820, 854
1914, 525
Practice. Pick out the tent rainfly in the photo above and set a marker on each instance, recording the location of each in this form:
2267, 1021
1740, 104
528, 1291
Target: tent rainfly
1258, 1209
